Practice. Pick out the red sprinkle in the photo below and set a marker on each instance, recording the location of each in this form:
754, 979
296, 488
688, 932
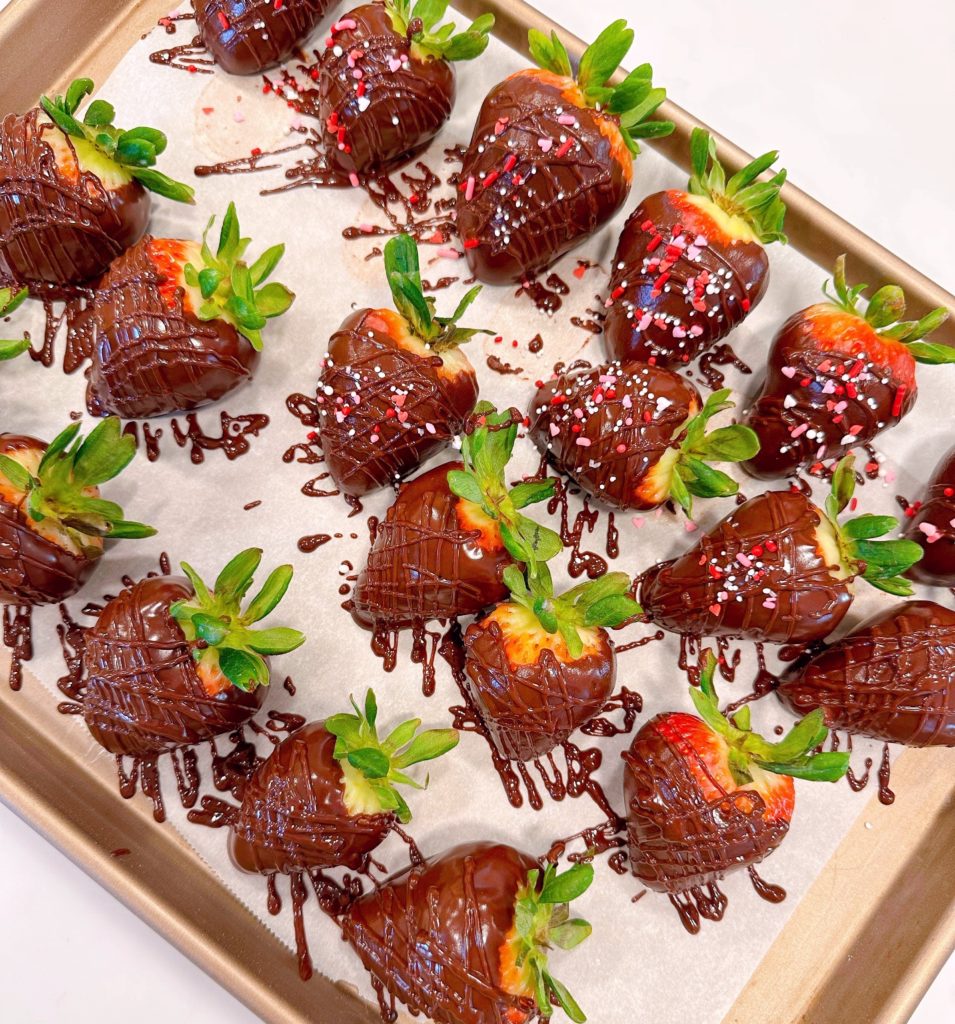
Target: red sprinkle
899, 397
564, 149
223, 20
771, 545
490, 179
510, 162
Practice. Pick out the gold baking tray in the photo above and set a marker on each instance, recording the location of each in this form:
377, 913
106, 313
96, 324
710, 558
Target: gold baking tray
862, 946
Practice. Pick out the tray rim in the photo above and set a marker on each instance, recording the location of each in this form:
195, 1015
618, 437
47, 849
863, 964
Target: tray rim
37, 777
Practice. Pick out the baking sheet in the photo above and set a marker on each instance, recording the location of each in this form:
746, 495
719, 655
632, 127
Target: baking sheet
195, 506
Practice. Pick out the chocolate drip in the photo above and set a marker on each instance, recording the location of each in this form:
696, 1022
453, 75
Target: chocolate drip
59, 226
682, 842
379, 102
245, 37
150, 355
782, 591
383, 408
823, 395
430, 936
233, 440
932, 525
18, 639
890, 679
533, 188
679, 284
608, 427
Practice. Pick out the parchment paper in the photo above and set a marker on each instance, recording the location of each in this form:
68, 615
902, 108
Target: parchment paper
640, 965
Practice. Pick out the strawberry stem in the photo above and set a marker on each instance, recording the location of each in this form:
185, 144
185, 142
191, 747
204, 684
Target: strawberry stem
885, 313
756, 202
215, 622
9, 301
420, 24
789, 756
135, 151
880, 562
634, 101
373, 767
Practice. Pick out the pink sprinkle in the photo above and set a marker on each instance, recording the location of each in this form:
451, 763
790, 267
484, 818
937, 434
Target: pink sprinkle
238, 116
857, 429
400, 400
402, 416
689, 526
638, 521
501, 125
373, 438
627, 402
358, 74
469, 191
353, 178
584, 442
344, 24
554, 430
769, 603
701, 241
645, 322
566, 119
621, 448
546, 144
394, 65
744, 560
722, 596
366, 229
789, 371
930, 531
679, 332
448, 253
799, 431
696, 331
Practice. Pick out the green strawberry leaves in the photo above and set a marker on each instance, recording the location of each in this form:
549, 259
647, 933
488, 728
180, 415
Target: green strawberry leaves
541, 921
378, 765
880, 562
135, 151
429, 40
70, 466
744, 195
10, 301
691, 474
402, 268
885, 313
634, 101
232, 290
215, 617
792, 755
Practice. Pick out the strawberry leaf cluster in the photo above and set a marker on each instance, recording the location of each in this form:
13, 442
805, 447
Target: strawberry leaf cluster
9, 301
420, 23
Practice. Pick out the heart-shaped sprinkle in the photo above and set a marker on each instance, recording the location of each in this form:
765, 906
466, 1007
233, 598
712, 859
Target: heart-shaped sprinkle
394, 64
789, 371
554, 430
545, 144
715, 609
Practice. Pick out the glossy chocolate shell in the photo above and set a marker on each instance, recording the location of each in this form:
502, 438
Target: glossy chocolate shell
933, 527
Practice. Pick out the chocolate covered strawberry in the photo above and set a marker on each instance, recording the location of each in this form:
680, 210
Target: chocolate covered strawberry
551, 157
394, 387
174, 326
892, 678
10, 348
387, 83
634, 435
328, 795
690, 266
445, 542
171, 662
541, 666
706, 796
53, 522
778, 569
931, 524
838, 378
74, 194
464, 938
245, 37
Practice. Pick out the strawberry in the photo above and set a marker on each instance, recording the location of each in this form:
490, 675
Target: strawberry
551, 157
634, 436
170, 663
10, 348
445, 542
74, 194
328, 797
541, 666
463, 938
387, 81
706, 795
245, 37
691, 265
173, 326
931, 524
890, 678
778, 569
838, 379
394, 387
53, 522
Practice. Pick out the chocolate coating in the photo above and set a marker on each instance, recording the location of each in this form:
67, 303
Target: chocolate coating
58, 228
937, 565
530, 709
293, 816
33, 569
679, 283
616, 401
678, 837
402, 406
248, 36
784, 596
432, 934
424, 564
149, 354
143, 694
823, 385
386, 115
540, 204
893, 678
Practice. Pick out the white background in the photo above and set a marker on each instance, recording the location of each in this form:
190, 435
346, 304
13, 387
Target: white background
859, 100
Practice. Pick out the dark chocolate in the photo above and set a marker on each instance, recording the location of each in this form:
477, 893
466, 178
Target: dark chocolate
933, 527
